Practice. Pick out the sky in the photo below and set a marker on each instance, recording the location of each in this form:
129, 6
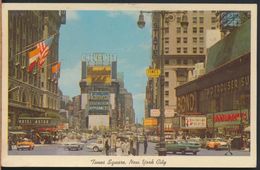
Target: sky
112, 32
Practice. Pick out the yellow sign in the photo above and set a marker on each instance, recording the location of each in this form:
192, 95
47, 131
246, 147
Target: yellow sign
150, 122
153, 73
99, 74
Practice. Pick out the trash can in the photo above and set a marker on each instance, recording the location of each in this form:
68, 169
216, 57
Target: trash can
236, 143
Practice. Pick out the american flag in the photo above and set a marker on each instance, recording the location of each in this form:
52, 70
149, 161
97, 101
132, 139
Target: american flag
44, 48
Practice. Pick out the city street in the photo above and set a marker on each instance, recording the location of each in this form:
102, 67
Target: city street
58, 149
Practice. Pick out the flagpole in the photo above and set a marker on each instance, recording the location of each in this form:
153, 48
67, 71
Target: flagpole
32, 45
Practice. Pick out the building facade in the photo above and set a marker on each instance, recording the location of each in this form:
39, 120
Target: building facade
32, 94
180, 49
222, 95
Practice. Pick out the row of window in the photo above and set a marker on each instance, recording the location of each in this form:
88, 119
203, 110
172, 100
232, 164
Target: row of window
185, 29
185, 50
185, 40
201, 20
181, 61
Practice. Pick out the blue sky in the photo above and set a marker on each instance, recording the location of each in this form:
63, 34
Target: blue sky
113, 32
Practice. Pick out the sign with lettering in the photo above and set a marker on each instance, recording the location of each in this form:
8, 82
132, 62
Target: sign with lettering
169, 113
155, 112
99, 74
153, 73
194, 122
35, 121
187, 103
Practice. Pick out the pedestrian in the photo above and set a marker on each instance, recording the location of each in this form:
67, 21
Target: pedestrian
131, 147
10, 143
106, 147
229, 146
145, 144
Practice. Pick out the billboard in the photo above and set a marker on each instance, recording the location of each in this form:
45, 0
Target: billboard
98, 121
169, 113
193, 122
99, 75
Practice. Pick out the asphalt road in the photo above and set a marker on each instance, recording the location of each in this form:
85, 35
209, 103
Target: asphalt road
58, 149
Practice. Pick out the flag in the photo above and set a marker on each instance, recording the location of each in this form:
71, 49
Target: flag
33, 58
44, 48
56, 70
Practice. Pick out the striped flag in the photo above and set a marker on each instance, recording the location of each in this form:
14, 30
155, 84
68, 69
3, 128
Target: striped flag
56, 70
33, 59
44, 48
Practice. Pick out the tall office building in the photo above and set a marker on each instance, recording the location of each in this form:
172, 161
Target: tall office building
32, 94
181, 48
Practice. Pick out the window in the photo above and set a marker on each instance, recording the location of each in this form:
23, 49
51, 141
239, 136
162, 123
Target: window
178, 39
194, 61
213, 28
185, 50
166, 39
166, 102
166, 84
201, 39
185, 29
178, 50
178, 61
42, 70
194, 39
185, 61
194, 20
178, 19
213, 19
201, 50
194, 29
167, 93
166, 74
178, 29
166, 62
194, 50
166, 49
185, 40
201, 20
201, 29
194, 11
42, 84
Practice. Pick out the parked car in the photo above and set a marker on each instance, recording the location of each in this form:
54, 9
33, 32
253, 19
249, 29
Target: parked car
96, 146
153, 139
74, 146
217, 144
25, 144
182, 146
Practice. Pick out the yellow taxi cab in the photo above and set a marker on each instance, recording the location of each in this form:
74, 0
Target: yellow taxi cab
217, 144
25, 144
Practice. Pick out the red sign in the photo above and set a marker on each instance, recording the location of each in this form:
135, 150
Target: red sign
229, 117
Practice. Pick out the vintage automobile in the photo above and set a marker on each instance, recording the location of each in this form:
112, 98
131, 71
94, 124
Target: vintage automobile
74, 146
25, 144
217, 144
96, 146
182, 146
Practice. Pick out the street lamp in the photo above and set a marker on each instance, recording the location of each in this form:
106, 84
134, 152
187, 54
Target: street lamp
166, 16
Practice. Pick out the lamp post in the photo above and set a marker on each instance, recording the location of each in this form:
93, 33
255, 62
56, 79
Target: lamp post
166, 16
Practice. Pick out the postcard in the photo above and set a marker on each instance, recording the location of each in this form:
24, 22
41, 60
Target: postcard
128, 85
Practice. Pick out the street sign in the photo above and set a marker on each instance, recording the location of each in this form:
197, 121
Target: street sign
153, 73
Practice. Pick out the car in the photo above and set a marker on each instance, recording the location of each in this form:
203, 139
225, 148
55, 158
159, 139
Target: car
154, 139
217, 144
74, 146
181, 146
25, 144
96, 146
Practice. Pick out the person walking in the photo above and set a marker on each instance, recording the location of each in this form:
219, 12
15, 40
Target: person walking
106, 147
145, 145
229, 146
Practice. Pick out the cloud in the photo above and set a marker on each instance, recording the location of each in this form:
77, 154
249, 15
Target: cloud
69, 80
72, 16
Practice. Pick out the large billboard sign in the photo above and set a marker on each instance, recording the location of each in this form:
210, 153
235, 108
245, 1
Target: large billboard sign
99, 75
150, 122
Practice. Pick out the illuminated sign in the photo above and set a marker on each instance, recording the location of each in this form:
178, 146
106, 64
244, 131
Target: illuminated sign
35, 121
153, 73
155, 112
99, 74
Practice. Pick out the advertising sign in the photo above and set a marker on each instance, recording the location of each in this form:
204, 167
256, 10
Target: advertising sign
98, 121
194, 122
98, 74
36, 121
153, 73
99, 95
155, 112
150, 122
